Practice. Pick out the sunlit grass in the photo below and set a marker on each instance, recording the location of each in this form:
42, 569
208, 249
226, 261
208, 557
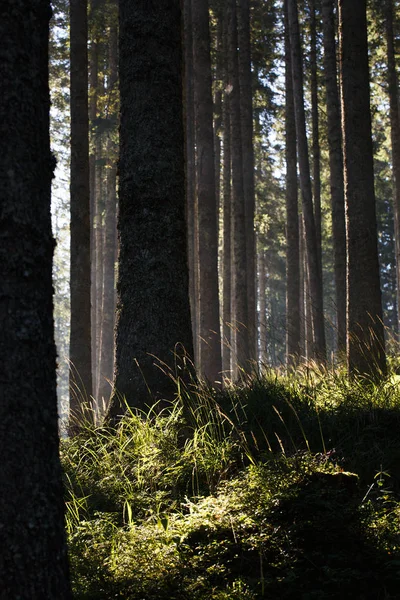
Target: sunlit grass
286, 486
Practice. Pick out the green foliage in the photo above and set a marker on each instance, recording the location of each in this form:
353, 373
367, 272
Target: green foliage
285, 487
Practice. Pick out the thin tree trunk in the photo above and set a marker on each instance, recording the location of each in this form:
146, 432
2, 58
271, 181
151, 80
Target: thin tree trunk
191, 202
227, 254
80, 335
365, 334
33, 557
395, 139
335, 169
238, 233
319, 351
316, 153
293, 319
106, 363
210, 365
246, 114
262, 315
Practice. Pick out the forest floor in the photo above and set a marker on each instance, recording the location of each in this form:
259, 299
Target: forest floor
287, 487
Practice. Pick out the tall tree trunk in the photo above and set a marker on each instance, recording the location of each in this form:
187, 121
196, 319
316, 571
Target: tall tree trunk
106, 363
316, 153
238, 233
153, 314
209, 332
393, 87
319, 351
293, 319
335, 169
246, 114
80, 334
191, 202
227, 254
33, 558
365, 335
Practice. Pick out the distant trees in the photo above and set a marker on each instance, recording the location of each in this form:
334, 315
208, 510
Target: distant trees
33, 558
153, 316
252, 246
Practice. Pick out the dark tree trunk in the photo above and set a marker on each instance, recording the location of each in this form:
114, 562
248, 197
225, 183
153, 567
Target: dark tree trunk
210, 365
80, 335
336, 169
319, 351
238, 232
393, 87
33, 557
227, 190
365, 335
153, 316
191, 204
246, 114
293, 319
262, 316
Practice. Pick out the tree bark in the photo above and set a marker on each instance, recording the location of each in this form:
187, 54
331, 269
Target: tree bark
106, 363
80, 335
319, 350
335, 169
239, 309
293, 319
365, 334
210, 364
33, 557
246, 115
393, 86
153, 315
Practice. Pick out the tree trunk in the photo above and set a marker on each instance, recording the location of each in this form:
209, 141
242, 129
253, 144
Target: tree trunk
238, 233
319, 350
153, 315
191, 203
33, 558
335, 169
246, 114
395, 139
262, 315
316, 153
365, 334
210, 365
293, 319
106, 363
80, 335
227, 204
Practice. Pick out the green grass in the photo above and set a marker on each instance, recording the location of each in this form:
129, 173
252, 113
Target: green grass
283, 487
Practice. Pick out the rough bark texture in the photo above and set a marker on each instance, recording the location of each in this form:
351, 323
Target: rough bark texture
153, 316
335, 169
210, 364
293, 319
365, 335
80, 335
393, 85
33, 557
315, 280
238, 232
246, 115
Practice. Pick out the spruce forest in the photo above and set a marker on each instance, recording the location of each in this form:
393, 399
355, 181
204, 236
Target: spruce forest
199, 299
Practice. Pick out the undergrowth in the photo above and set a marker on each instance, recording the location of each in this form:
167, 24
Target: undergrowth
283, 487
